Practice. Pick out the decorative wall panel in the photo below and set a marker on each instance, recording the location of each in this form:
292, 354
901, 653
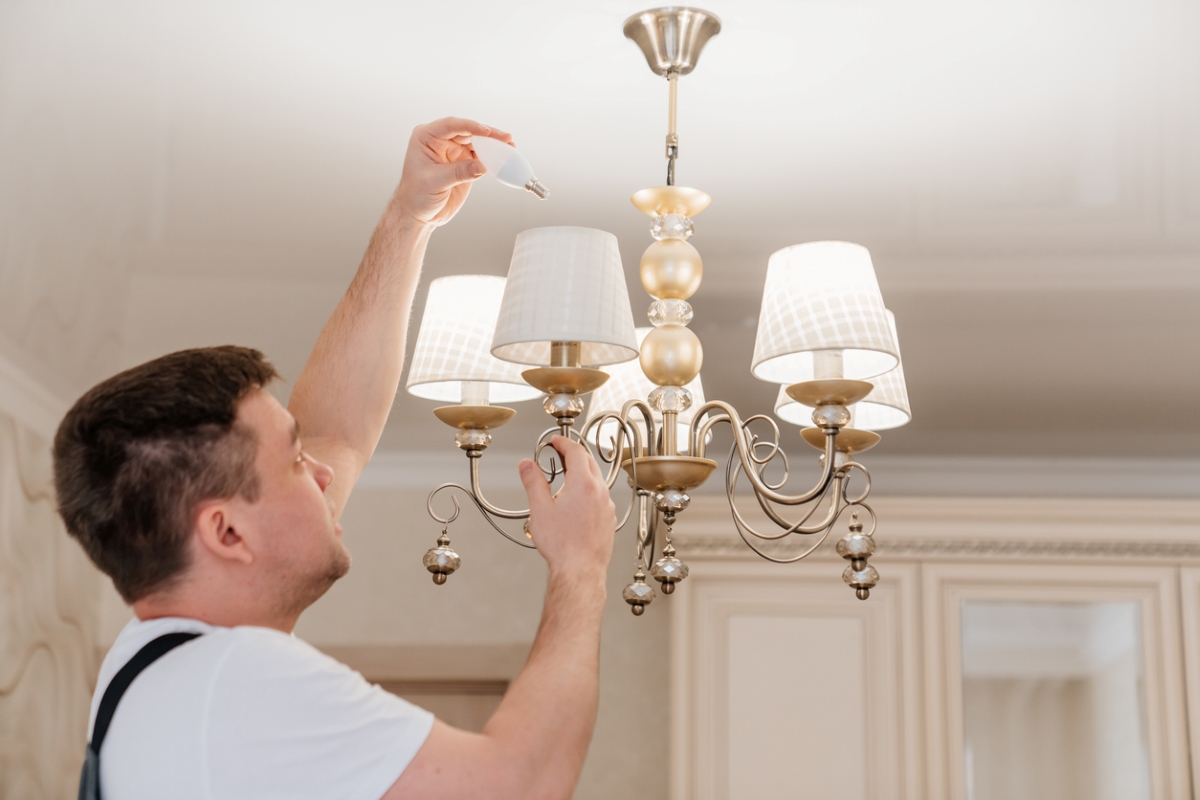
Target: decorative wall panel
47, 628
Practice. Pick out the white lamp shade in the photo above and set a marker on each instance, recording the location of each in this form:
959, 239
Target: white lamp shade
822, 296
884, 408
565, 284
454, 343
628, 382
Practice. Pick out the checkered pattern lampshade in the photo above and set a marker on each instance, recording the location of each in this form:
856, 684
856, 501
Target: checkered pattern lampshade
565, 285
822, 296
455, 341
628, 382
885, 407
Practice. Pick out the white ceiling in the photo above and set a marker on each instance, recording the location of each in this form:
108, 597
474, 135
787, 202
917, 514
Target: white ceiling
1026, 174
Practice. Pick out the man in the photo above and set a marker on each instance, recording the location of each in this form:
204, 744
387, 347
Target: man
214, 510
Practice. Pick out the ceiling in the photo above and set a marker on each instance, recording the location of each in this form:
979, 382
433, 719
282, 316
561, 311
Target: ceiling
1026, 174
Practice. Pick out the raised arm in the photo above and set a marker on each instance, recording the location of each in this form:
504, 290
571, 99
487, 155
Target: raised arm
343, 395
534, 745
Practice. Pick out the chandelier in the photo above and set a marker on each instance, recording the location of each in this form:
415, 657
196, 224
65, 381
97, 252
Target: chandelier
560, 327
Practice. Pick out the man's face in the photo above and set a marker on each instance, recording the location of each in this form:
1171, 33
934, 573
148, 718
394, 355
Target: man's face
291, 529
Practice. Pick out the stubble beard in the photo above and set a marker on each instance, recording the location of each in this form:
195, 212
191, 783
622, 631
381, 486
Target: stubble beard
303, 590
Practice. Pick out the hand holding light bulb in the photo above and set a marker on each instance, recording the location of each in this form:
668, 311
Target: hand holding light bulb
508, 165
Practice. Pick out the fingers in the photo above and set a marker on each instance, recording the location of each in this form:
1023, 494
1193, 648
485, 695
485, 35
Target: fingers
451, 127
457, 172
536, 487
575, 457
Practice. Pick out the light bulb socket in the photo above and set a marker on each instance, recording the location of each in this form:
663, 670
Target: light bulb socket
538, 188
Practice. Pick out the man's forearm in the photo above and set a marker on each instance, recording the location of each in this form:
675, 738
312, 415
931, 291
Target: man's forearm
549, 712
343, 395
534, 746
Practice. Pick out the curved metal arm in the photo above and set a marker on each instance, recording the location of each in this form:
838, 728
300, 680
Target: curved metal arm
799, 526
777, 559
477, 495
647, 529
748, 460
643, 408
483, 511
731, 475
841, 502
624, 429
486, 506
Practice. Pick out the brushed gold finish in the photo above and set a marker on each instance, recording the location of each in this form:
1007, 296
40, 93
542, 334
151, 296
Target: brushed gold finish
658, 200
671, 269
656, 473
565, 380
849, 440
474, 417
671, 355
839, 392
565, 354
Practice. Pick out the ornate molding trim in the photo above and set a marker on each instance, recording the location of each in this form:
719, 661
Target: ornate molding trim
1035, 549
724, 547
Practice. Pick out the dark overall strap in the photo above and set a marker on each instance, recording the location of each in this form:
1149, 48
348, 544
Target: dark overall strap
89, 781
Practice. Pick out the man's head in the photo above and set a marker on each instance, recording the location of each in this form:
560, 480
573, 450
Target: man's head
185, 465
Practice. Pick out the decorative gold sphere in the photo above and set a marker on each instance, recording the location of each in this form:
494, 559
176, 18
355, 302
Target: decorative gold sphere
671, 355
671, 269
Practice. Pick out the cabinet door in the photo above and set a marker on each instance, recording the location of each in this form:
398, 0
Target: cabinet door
1189, 585
785, 685
1055, 681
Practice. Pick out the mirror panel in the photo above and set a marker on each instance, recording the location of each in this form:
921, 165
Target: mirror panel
1053, 701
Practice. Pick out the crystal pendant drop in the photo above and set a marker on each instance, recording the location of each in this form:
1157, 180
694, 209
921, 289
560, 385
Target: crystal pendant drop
669, 570
442, 561
638, 594
670, 312
672, 226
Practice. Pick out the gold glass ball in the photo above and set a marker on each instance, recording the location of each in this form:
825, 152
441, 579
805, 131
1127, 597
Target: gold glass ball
671, 355
671, 269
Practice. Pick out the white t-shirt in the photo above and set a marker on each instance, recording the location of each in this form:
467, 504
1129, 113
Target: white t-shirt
249, 713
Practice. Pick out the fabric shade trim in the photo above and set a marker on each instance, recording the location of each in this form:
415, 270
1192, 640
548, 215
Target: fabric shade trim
454, 343
565, 284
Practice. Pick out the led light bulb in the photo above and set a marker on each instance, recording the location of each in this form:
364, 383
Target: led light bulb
509, 166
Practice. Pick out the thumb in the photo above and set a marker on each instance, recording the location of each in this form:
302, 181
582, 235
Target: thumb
458, 172
536, 487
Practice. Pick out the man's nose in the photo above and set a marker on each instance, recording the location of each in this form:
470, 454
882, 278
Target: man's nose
323, 473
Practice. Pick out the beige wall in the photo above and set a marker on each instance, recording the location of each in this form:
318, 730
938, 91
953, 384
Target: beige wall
47, 629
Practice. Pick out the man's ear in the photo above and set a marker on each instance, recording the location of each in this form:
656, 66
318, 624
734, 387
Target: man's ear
219, 535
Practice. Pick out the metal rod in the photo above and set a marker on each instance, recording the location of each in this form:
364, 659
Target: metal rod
481, 501
672, 136
673, 83
564, 354
669, 445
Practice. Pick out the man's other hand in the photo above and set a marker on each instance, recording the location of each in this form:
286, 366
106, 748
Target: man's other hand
439, 168
574, 528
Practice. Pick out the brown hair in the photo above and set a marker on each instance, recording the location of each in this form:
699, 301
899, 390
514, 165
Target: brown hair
137, 454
